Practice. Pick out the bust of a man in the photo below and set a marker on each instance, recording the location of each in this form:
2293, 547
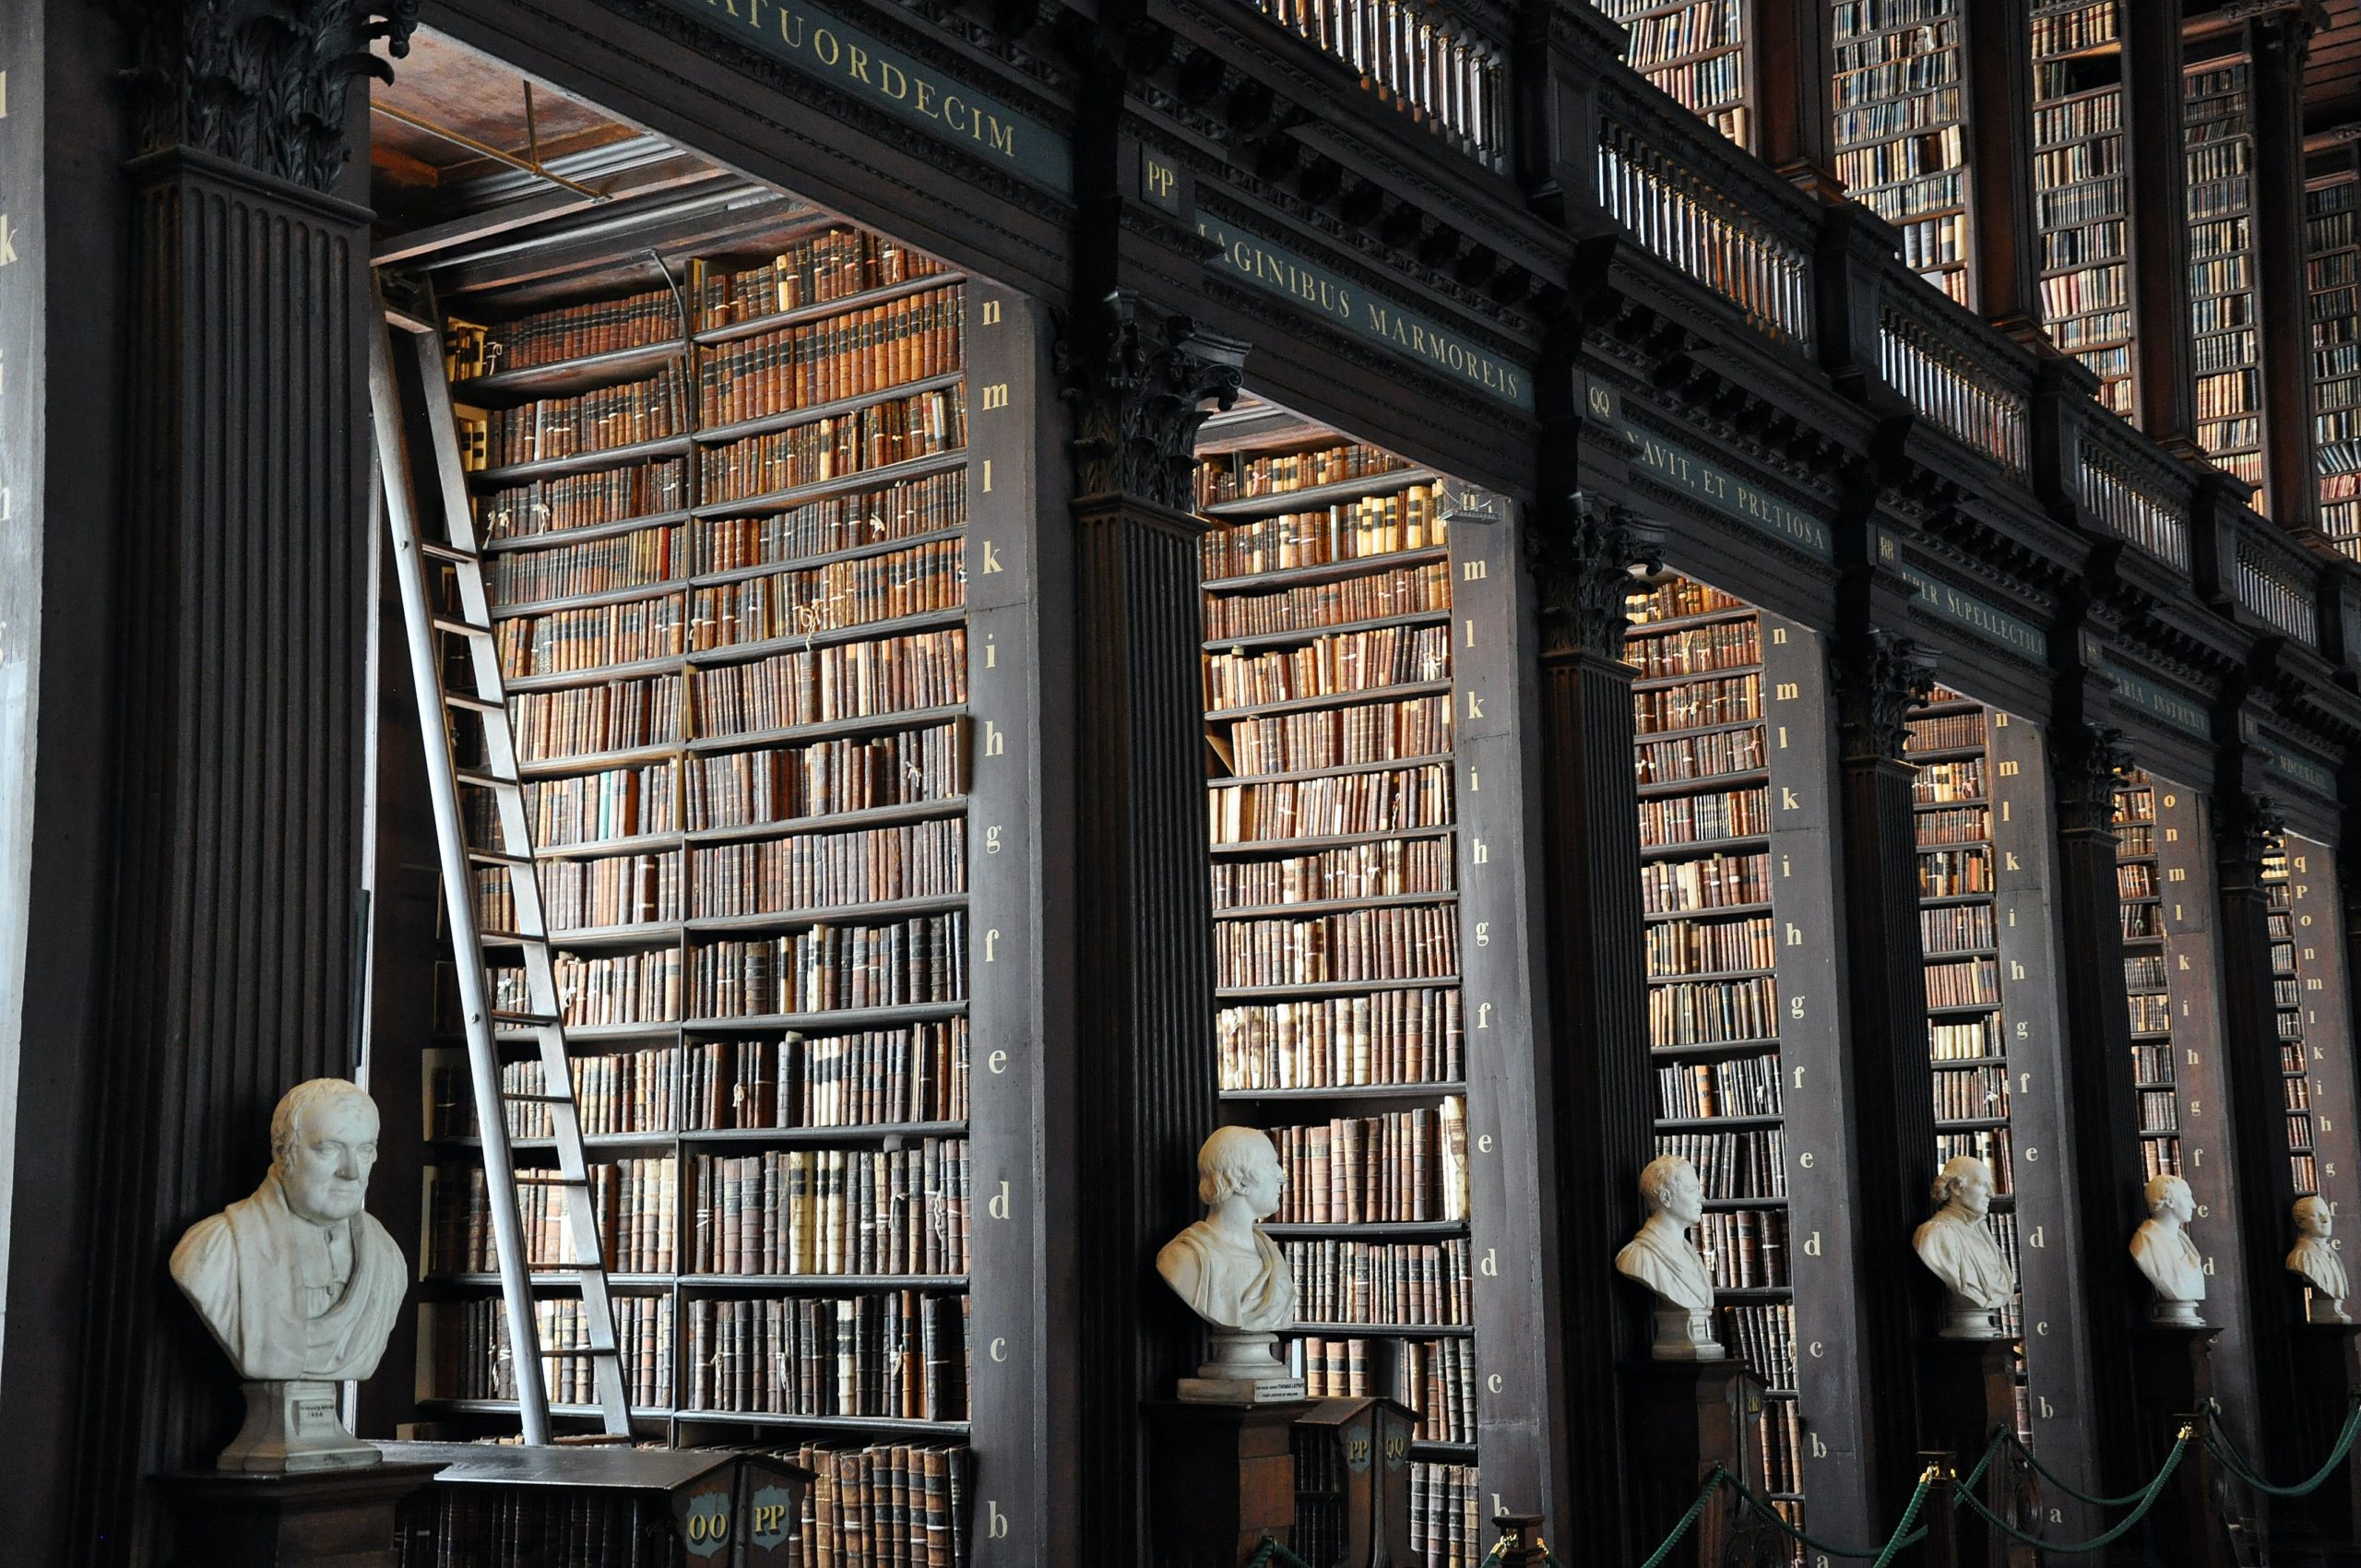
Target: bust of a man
2317, 1261
1659, 1255
2166, 1254
299, 1285
1957, 1247
1229, 1273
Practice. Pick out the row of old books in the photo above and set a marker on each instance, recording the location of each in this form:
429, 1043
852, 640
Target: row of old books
935, 504
1952, 873
1402, 1036
1340, 737
1447, 1511
890, 1506
1344, 661
640, 559
1948, 732
2160, 1109
1955, 928
565, 332
899, 1355
557, 505
1435, 1378
2217, 117
1671, 887
782, 784
832, 1211
533, 1526
1387, 868
820, 685
1900, 145
550, 428
850, 355
1679, 599
833, 266
2136, 879
873, 436
1398, 942
1702, 817
634, 1202
1405, 799
1411, 1284
584, 895
1697, 705
1763, 1336
829, 968
614, 1092
820, 870
1783, 1454
606, 988
1990, 1145
1963, 1040
870, 1077
1703, 947
2140, 921
1743, 1086
561, 642
1699, 650
917, 581
1745, 1249
1375, 596
472, 1358
1971, 1094
582, 721
1945, 783
1954, 824
1974, 982
1402, 1166
1751, 1164
1689, 758
2153, 1063
2286, 997
1353, 531
1276, 473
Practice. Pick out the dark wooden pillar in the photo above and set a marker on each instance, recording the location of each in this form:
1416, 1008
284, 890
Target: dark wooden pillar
1878, 676
1553, 83
2263, 1187
239, 687
1795, 70
2280, 39
1580, 552
2103, 1167
2157, 184
1144, 1075
1998, 96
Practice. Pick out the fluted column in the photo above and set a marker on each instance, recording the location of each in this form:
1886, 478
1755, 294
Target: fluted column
1138, 384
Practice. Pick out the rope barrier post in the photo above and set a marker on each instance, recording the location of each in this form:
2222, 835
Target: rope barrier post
1942, 1511
2329, 1380
1520, 1543
2187, 1530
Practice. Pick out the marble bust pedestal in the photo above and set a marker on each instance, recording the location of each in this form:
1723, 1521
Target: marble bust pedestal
2327, 1371
1966, 1387
1244, 1369
293, 1426
346, 1515
1684, 1418
2175, 1368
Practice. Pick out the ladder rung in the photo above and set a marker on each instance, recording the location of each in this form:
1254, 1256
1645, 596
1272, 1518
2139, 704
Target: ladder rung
472, 703
487, 780
508, 938
499, 858
559, 1179
434, 552
526, 1020
460, 628
565, 1268
539, 1099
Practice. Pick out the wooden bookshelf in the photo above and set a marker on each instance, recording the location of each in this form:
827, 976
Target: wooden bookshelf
2218, 122
2148, 975
2332, 315
757, 737
2081, 190
2308, 968
1901, 135
1701, 51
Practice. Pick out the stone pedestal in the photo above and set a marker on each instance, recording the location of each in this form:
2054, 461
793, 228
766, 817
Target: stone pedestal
1221, 1478
1245, 1370
1967, 1387
292, 1427
2174, 1372
1685, 1418
2328, 1372
339, 1518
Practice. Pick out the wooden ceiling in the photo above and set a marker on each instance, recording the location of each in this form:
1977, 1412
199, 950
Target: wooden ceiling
2333, 69
449, 86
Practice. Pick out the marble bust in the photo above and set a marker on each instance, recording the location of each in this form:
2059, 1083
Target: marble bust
1957, 1247
1660, 1256
297, 1285
2317, 1261
2165, 1253
1232, 1274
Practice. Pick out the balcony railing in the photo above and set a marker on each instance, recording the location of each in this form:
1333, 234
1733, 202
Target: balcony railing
1426, 62
1933, 353
2274, 578
2130, 496
1678, 202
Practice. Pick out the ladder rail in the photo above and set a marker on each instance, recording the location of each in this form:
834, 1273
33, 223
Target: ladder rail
484, 1067
487, 702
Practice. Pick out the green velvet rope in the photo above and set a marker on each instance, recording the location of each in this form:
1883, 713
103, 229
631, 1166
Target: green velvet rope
2226, 1449
2148, 1497
2061, 1484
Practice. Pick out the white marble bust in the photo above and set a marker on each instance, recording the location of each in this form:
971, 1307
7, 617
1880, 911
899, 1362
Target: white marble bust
2165, 1253
2317, 1261
1957, 1247
1660, 1256
299, 1285
1232, 1274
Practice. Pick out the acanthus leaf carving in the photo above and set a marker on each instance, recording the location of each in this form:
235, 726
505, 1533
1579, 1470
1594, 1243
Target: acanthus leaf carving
1139, 382
1880, 677
1581, 571
2090, 761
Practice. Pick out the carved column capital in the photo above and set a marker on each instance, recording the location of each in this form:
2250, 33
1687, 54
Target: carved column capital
260, 82
2246, 827
1581, 560
2089, 761
1880, 676
1138, 382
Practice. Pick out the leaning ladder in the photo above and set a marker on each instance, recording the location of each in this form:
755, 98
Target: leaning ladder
470, 621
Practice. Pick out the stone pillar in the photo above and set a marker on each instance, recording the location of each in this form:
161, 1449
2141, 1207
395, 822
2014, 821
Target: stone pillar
236, 941
1581, 553
1137, 383
1878, 676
